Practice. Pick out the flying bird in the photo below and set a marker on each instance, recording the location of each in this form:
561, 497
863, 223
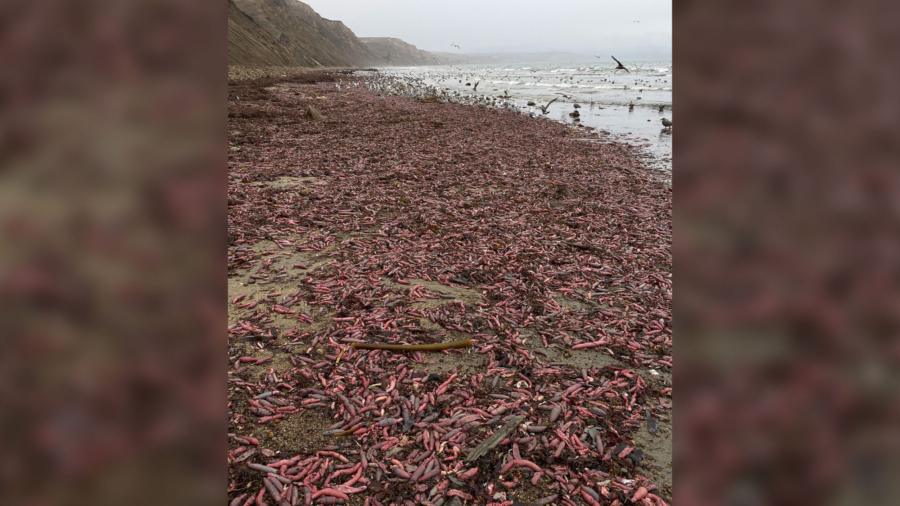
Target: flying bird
476, 86
620, 67
457, 47
543, 108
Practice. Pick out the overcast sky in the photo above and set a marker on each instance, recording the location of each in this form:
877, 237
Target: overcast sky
579, 26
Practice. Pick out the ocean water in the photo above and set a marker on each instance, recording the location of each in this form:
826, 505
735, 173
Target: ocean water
603, 93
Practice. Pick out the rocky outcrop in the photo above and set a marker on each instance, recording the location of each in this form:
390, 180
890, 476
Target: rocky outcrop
395, 52
290, 33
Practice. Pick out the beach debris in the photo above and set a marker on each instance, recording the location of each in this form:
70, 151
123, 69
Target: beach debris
313, 114
506, 232
491, 442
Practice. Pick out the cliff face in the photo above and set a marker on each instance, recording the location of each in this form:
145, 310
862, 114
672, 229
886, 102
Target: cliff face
290, 33
390, 51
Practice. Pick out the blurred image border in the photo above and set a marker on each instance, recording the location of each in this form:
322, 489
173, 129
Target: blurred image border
112, 240
786, 253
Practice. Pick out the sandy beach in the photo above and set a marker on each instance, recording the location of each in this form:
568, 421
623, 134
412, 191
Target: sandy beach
398, 221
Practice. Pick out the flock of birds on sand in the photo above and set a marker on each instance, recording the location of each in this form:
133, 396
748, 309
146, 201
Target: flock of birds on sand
415, 87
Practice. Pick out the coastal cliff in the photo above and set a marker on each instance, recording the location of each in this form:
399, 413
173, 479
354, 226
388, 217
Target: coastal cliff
395, 52
290, 33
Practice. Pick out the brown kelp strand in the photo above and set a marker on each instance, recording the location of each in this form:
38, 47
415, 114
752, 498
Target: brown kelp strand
394, 221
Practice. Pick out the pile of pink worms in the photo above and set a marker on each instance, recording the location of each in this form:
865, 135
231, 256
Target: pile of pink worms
563, 245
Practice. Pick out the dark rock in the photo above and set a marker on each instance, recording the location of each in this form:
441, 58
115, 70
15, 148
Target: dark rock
652, 423
635, 457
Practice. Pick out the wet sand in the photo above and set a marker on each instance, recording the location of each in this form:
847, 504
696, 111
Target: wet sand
602, 92
396, 220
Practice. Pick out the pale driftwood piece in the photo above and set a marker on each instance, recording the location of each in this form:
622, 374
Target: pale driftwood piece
495, 438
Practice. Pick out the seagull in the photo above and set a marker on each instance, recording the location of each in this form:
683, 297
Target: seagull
620, 67
543, 108
596, 56
457, 47
667, 123
662, 107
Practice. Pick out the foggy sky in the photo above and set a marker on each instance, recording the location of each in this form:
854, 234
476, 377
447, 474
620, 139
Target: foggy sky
488, 26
